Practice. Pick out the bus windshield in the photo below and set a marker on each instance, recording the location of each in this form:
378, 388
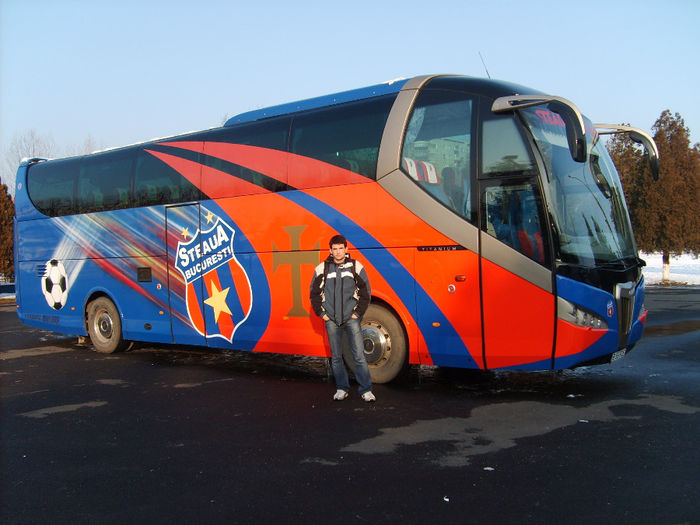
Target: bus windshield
585, 199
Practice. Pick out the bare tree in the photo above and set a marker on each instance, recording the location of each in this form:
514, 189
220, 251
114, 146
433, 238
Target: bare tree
31, 144
90, 145
28, 144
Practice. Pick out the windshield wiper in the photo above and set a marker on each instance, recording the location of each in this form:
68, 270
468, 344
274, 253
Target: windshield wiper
621, 264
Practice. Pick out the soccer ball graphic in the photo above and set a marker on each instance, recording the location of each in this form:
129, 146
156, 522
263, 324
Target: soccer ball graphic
54, 284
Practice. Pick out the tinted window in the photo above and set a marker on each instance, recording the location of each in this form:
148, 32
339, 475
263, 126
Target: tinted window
504, 151
270, 134
347, 136
50, 186
266, 134
104, 182
157, 183
437, 149
512, 213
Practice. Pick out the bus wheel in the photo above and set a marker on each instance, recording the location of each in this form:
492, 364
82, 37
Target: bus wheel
385, 345
105, 326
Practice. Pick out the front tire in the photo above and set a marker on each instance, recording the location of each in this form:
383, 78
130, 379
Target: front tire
385, 345
105, 326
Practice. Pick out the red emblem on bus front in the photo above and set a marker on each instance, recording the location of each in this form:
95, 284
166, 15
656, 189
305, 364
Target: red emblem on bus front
218, 292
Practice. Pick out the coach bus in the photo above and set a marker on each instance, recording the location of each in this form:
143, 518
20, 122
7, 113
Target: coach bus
489, 216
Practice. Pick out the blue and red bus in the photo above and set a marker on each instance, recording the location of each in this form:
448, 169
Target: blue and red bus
489, 216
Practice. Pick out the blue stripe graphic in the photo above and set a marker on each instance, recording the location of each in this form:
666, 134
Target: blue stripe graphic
446, 348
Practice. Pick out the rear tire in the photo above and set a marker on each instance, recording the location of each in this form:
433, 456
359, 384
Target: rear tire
385, 345
105, 326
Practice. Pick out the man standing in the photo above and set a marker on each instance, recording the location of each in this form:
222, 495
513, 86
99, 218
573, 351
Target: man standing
340, 295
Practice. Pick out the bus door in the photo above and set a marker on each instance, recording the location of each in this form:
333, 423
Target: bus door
210, 294
516, 278
517, 301
186, 287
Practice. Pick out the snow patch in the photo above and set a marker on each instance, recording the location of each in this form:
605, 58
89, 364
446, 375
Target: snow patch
685, 269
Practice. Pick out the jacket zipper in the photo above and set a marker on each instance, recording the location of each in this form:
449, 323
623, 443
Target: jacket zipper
339, 274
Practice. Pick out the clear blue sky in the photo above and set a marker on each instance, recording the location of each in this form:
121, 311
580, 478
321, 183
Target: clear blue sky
127, 71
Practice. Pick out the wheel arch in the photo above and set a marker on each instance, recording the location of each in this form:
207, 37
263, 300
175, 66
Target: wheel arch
381, 302
408, 325
387, 354
96, 294
113, 339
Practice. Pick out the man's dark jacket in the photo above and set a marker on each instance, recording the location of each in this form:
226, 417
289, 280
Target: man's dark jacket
339, 298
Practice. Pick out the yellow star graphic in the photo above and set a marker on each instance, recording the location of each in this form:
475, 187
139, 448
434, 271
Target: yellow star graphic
209, 217
217, 300
186, 232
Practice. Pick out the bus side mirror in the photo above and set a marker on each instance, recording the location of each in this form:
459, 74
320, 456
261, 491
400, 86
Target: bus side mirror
650, 149
638, 136
575, 134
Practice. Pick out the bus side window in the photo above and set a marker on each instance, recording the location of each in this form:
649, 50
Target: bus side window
347, 136
437, 149
50, 186
503, 150
104, 182
157, 183
270, 134
511, 213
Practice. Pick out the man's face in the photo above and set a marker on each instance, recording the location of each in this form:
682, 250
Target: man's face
338, 252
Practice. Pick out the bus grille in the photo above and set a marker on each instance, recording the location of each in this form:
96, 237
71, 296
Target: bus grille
624, 296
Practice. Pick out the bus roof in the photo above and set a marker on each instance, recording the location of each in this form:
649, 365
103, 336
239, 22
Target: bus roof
385, 88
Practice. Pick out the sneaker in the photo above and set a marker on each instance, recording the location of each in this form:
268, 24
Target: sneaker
340, 395
368, 397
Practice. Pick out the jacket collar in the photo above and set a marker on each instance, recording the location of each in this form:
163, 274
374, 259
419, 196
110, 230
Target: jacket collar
330, 259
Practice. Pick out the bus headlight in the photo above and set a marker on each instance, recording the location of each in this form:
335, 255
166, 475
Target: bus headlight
579, 316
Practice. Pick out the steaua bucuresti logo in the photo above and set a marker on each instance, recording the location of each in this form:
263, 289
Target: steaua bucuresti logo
54, 284
218, 292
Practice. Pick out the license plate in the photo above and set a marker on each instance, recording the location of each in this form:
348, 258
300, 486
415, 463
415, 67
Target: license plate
618, 355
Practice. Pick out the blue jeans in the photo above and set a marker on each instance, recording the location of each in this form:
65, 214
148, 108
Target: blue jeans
335, 338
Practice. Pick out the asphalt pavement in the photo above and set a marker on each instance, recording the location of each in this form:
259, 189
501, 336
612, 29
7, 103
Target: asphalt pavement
170, 434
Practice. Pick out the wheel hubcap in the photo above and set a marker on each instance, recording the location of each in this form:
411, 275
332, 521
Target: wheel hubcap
104, 325
377, 343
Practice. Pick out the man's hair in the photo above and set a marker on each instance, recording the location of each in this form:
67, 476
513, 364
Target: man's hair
338, 239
